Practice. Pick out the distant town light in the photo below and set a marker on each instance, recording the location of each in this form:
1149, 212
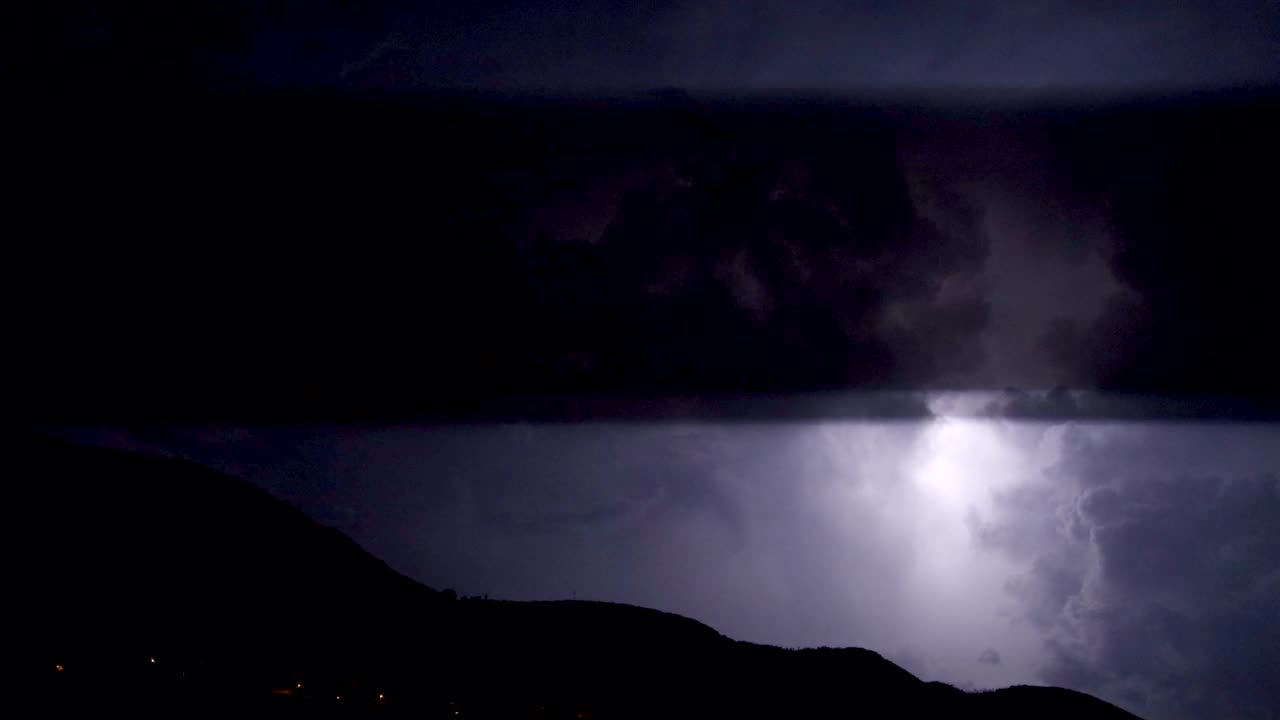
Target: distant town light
59, 666
299, 686
380, 696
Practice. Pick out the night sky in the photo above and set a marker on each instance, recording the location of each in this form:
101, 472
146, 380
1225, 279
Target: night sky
941, 329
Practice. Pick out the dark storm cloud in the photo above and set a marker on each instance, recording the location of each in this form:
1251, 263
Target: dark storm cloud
1186, 194
1153, 567
733, 250
989, 657
775, 254
666, 246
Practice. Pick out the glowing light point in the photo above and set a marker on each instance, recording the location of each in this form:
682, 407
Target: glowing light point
59, 667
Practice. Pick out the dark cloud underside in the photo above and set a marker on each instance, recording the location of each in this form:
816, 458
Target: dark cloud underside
449, 257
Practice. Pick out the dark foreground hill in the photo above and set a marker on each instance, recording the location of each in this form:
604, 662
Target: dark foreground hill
155, 586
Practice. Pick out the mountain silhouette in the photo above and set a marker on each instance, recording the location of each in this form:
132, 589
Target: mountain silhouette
159, 587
